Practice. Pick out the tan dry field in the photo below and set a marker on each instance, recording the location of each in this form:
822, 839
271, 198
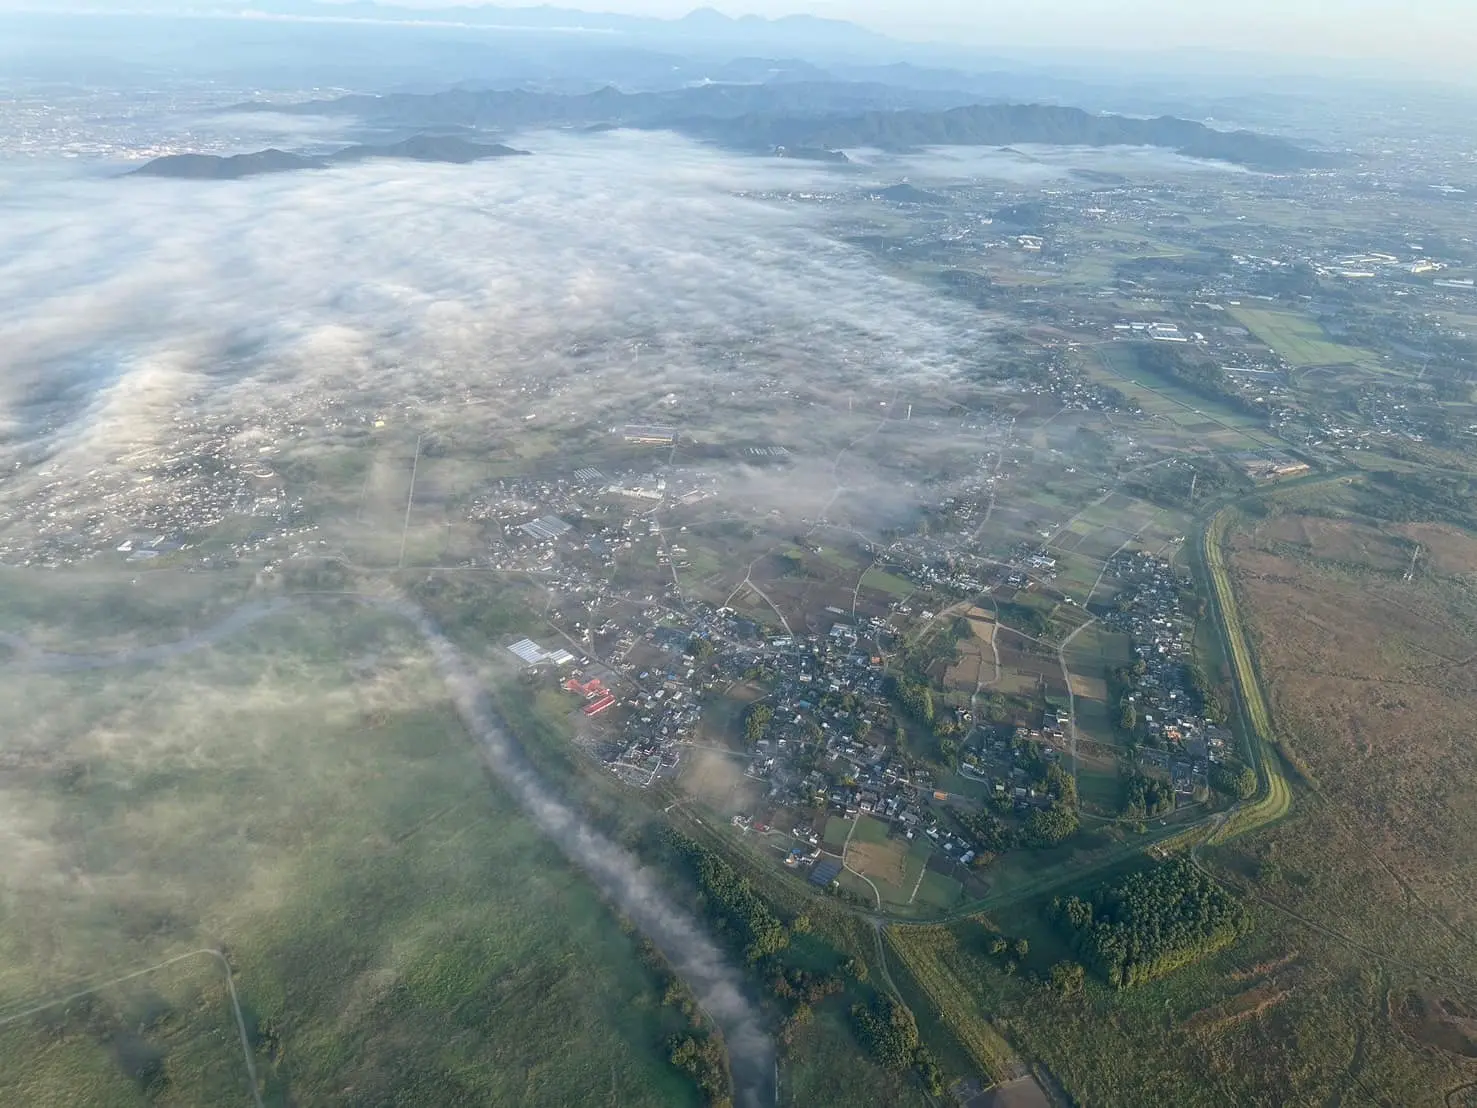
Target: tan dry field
1439, 1022
976, 665
1334, 540
1446, 549
1090, 688
884, 861
1373, 685
965, 674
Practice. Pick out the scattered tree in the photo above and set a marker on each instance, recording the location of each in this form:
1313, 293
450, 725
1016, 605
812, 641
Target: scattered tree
703, 1058
1068, 978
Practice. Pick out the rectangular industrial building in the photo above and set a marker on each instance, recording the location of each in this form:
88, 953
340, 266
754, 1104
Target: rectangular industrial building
530, 653
546, 529
650, 436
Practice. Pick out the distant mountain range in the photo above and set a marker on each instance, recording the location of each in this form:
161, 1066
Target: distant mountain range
421, 148
796, 31
816, 116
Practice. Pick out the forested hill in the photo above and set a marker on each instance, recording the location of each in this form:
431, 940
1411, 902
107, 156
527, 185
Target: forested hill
1003, 124
818, 116
421, 148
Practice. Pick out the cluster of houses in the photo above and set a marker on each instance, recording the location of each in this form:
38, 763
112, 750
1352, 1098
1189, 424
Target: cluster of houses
1178, 737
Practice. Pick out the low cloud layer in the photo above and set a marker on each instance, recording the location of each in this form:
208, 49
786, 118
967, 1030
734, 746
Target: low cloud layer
627, 264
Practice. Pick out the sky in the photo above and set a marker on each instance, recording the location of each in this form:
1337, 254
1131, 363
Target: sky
1438, 35
1407, 31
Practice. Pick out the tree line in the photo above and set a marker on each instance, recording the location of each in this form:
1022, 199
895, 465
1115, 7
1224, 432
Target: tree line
728, 897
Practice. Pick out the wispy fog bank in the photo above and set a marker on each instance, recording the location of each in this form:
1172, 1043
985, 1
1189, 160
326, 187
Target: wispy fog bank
129, 306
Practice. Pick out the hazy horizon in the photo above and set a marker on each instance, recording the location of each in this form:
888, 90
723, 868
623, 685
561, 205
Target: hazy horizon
1437, 38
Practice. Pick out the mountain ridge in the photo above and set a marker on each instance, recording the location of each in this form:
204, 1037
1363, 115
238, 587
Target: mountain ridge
829, 116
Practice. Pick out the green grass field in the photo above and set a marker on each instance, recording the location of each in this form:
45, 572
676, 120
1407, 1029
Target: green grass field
1274, 797
814, 1077
939, 892
166, 1037
869, 830
1209, 422
301, 797
1101, 792
837, 559
837, 829
1299, 340
883, 581
1282, 1018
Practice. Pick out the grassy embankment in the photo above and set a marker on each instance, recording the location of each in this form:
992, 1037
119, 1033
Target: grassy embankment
1274, 795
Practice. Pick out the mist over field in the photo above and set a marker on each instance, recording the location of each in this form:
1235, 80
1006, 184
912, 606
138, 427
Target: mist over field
1027, 165
621, 265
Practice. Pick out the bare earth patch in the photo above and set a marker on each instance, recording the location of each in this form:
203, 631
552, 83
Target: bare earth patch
884, 861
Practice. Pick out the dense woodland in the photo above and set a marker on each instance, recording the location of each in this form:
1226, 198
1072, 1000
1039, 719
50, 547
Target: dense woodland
913, 698
890, 1035
1151, 923
1233, 780
1198, 374
1145, 797
757, 718
1058, 822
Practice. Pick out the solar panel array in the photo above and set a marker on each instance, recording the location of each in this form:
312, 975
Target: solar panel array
825, 872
